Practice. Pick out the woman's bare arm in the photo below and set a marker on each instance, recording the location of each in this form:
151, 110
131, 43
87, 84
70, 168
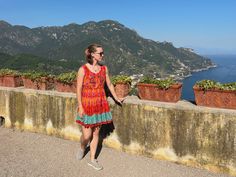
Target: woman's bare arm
111, 87
80, 78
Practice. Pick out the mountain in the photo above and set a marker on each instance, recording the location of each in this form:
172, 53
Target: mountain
126, 52
24, 62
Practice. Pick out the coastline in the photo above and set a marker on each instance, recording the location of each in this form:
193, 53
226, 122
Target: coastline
221, 70
179, 78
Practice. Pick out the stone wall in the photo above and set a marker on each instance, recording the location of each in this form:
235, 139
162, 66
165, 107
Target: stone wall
180, 132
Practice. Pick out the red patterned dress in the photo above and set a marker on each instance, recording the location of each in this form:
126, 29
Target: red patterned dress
93, 97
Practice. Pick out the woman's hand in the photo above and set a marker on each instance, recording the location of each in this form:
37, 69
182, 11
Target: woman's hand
81, 111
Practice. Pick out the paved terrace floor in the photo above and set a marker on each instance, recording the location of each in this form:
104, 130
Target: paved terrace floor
26, 154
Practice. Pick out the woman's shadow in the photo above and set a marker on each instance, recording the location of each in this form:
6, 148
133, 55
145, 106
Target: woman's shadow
105, 131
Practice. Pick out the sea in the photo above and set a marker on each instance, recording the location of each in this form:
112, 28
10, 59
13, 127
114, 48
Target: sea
224, 72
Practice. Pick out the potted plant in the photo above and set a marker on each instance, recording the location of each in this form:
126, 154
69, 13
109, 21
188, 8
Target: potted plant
38, 80
10, 78
122, 85
166, 90
66, 82
215, 94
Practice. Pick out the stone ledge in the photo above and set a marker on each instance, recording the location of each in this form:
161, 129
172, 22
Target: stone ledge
181, 132
182, 104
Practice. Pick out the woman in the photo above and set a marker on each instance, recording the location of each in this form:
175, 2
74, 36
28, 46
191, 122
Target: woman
93, 110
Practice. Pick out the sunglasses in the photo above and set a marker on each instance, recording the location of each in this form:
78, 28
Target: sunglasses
101, 53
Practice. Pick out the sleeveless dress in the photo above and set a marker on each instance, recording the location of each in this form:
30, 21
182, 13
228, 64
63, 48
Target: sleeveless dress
93, 98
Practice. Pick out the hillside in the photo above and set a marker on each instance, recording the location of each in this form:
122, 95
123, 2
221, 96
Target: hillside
61, 48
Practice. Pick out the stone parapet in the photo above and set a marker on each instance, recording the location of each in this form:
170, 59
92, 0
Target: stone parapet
180, 132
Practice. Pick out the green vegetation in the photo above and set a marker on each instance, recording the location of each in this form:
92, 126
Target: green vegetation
25, 62
121, 79
163, 84
67, 78
36, 76
211, 85
4, 72
126, 52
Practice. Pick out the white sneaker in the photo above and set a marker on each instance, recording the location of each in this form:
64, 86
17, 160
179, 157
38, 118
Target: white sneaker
80, 154
94, 163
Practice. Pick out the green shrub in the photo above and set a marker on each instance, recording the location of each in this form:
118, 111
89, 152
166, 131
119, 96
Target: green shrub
67, 78
163, 84
5, 72
36, 76
121, 79
211, 84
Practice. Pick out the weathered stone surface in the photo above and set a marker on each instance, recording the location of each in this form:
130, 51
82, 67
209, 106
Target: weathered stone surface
180, 132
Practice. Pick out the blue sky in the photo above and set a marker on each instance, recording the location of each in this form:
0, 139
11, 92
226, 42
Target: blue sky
208, 26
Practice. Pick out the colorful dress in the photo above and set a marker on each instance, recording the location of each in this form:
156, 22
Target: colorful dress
93, 97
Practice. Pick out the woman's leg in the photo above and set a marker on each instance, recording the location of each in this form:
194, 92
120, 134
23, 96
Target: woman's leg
85, 137
94, 142
93, 148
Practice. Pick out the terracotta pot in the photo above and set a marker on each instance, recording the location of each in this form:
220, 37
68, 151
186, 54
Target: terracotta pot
215, 98
10, 81
152, 92
62, 87
1, 80
43, 83
28, 83
47, 83
122, 89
